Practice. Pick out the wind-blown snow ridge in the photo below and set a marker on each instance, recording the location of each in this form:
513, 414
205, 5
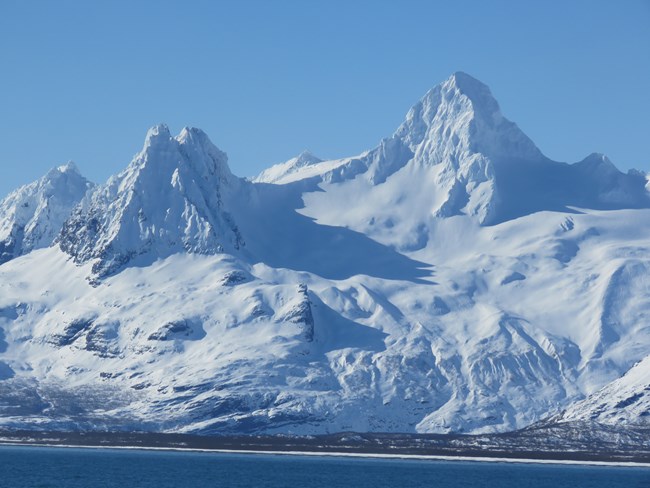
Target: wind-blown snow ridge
452, 279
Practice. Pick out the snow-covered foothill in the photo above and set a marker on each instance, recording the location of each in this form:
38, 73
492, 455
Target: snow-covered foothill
624, 401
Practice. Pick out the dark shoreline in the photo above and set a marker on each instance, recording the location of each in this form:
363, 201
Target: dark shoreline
512, 446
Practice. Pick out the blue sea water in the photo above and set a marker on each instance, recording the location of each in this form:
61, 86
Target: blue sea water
31, 467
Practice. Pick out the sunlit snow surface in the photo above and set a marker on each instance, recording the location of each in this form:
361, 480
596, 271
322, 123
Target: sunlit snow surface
452, 279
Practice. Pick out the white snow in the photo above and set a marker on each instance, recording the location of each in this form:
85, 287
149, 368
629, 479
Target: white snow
451, 279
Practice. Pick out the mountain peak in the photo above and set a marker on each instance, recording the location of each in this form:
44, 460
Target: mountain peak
598, 164
192, 134
32, 216
465, 82
157, 138
279, 171
597, 159
158, 130
462, 77
461, 116
477, 92
191, 148
169, 199
69, 167
307, 157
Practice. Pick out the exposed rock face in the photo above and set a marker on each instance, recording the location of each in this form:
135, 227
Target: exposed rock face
298, 311
183, 329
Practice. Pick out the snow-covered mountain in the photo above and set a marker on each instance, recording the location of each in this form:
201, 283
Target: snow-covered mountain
169, 199
452, 279
32, 216
472, 161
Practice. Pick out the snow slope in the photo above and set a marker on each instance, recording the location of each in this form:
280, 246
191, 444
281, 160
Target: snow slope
624, 401
452, 279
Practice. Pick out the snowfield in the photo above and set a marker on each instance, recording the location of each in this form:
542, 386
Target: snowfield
453, 279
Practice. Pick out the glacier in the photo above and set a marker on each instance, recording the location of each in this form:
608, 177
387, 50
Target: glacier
452, 279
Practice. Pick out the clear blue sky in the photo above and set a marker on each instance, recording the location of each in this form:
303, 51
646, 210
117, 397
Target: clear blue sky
83, 80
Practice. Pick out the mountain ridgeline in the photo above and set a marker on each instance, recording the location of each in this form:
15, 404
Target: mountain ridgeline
452, 279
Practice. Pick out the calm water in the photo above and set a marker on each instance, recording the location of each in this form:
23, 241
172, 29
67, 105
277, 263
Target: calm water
51, 467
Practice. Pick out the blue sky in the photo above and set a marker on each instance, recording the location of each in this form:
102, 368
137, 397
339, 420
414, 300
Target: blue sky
84, 80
